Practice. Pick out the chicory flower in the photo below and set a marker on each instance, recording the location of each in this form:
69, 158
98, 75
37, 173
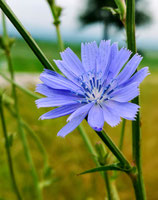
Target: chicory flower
99, 86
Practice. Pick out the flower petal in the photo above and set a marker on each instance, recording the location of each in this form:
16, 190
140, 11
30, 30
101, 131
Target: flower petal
89, 52
138, 77
85, 108
126, 110
110, 116
118, 62
129, 69
112, 56
70, 126
55, 101
96, 118
57, 81
50, 92
67, 72
103, 56
126, 93
72, 62
61, 111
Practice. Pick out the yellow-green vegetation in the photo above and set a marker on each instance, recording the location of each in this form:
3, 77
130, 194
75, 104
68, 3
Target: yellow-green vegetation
69, 156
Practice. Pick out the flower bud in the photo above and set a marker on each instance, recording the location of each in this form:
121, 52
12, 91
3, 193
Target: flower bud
102, 153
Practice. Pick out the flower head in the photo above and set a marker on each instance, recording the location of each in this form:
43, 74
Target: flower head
99, 86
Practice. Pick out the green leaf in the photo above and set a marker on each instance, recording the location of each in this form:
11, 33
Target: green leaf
113, 167
114, 11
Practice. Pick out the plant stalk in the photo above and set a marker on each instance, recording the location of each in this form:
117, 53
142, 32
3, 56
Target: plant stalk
9, 157
56, 24
122, 134
138, 182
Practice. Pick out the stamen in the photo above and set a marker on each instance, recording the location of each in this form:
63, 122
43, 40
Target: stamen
91, 84
110, 91
97, 84
93, 81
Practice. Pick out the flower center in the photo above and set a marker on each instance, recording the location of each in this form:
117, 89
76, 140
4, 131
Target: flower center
95, 90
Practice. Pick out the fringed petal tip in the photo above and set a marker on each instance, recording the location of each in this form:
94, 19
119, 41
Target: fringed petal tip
147, 70
37, 103
114, 125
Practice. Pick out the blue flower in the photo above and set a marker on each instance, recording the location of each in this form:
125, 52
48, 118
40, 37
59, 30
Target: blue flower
99, 87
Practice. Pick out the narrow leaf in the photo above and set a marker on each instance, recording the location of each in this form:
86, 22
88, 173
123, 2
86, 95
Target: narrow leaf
113, 167
114, 11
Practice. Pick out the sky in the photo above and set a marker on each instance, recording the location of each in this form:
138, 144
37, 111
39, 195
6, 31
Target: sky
36, 17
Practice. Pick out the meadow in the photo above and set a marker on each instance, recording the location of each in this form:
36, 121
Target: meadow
69, 156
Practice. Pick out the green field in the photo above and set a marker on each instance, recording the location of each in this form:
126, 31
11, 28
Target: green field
69, 156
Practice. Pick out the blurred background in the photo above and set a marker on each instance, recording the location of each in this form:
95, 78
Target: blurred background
81, 20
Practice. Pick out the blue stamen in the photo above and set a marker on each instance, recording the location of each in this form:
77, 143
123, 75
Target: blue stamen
100, 86
110, 92
91, 84
93, 81
97, 83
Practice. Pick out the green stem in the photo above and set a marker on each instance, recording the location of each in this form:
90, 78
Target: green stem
61, 45
88, 144
114, 149
122, 9
9, 157
25, 34
38, 143
136, 133
57, 23
115, 173
108, 185
122, 134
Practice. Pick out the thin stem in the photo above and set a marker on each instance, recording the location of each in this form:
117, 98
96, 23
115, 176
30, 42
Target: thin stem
38, 143
114, 149
25, 34
122, 134
61, 45
57, 23
115, 173
108, 185
122, 9
9, 157
88, 144
136, 133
